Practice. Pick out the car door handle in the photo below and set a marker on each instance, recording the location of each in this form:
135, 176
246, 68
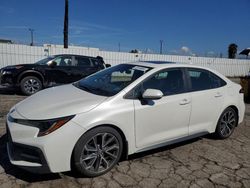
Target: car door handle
218, 94
184, 101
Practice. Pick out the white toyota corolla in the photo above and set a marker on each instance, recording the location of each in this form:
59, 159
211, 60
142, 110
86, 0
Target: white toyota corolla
91, 124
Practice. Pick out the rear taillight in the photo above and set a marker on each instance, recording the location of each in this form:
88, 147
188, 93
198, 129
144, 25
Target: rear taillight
241, 90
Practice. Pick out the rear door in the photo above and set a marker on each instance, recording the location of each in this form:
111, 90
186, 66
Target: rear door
207, 94
84, 67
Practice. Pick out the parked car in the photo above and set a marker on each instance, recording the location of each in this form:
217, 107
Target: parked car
51, 71
90, 125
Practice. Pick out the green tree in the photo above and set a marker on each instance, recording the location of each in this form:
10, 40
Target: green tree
232, 50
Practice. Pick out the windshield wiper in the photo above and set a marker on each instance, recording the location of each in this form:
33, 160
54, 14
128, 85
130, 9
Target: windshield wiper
101, 92
83, 87
97, 91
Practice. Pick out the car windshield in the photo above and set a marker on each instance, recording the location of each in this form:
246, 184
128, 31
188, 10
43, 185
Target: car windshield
112, 80
44, 61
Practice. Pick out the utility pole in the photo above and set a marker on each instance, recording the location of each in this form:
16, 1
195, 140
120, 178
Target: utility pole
66, 21
161, 45
31, 36
119, 47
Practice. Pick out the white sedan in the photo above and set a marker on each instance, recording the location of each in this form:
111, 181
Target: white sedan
90, 125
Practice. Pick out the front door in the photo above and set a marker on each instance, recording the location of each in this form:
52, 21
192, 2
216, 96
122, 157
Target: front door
61, 72
158, 121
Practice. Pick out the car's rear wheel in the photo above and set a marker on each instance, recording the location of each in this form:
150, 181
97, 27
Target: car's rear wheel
97, 151
30, 85
227, 123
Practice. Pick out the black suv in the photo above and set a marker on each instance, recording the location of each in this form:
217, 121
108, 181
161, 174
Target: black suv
51, 71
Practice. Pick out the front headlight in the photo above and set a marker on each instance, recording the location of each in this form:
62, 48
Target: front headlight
45, 126
6, 72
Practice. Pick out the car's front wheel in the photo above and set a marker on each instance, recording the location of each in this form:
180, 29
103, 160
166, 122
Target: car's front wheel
227, 123
97, 151
30, 85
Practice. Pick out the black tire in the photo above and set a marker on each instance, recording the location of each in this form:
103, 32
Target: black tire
90, 159
226, 124
30, 85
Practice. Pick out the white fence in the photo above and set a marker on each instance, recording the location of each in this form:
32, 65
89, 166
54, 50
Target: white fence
11, 54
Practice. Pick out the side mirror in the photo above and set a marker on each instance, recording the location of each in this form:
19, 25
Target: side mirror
52, 64
153, 94
107, 65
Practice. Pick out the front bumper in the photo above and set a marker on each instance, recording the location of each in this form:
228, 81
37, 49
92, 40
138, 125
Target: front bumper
31, 157
7, 82
50, 153
6, 79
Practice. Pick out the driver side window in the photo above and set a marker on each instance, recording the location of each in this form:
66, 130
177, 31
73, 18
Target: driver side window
169, 82
63, 61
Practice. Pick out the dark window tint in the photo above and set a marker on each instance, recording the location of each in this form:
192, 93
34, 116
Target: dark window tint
202, 80
169, 81
83, 62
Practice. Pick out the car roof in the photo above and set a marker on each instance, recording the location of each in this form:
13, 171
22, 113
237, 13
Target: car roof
168, 64
165, 64
75, 55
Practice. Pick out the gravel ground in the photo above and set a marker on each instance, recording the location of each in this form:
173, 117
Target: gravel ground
201, 162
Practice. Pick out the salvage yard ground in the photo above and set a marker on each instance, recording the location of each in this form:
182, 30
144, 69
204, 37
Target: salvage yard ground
201, 162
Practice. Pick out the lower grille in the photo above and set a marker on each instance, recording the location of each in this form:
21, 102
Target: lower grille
20, 152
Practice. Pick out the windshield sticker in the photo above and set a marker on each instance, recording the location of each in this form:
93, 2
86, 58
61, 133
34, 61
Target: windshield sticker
144, 69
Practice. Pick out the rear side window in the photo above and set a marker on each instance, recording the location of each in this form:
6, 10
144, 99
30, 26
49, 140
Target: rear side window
203, 80
83, 62
98, 63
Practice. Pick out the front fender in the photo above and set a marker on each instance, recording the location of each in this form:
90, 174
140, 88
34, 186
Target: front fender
30, 72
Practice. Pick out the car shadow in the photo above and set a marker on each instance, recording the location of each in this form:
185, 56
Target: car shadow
9, 91
17, 172
162, 149
247, 100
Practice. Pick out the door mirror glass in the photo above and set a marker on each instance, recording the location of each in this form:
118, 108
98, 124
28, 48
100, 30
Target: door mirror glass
52, 64
108, 65
152, 94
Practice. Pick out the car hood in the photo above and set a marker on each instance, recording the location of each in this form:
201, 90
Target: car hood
58, 102
18, 65
22, 66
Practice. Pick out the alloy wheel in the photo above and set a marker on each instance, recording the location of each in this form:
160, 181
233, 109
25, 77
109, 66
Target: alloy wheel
31, 86
100, 152
227, 123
